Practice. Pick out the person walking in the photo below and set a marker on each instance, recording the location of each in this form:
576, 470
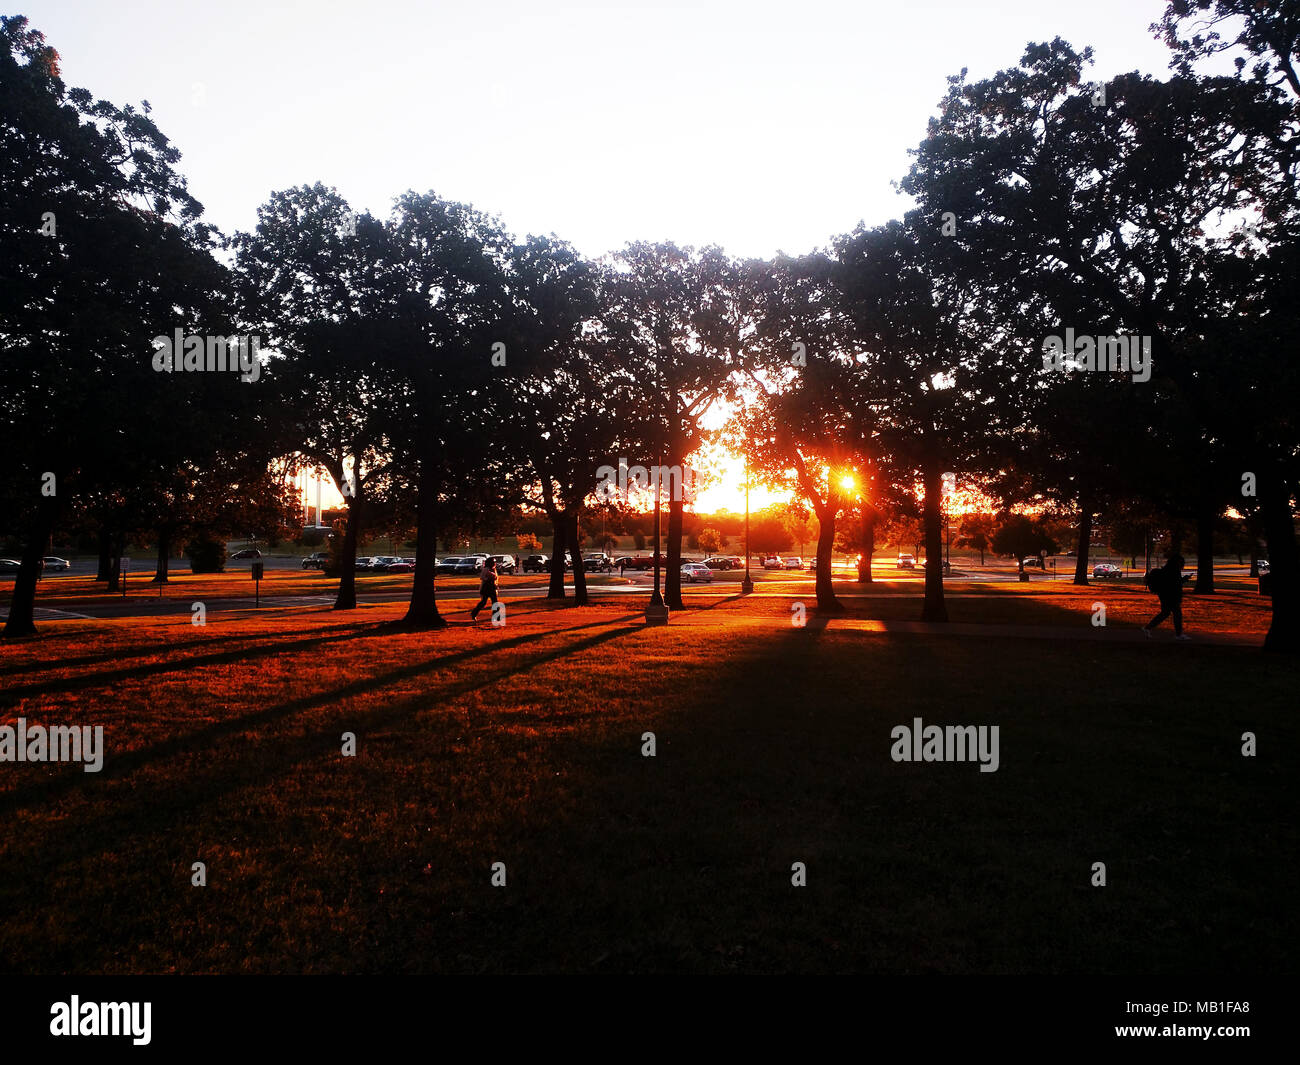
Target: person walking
487, 587
1167, 583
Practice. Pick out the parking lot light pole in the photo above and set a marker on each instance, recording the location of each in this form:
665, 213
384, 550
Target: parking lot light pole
656, 612
747, 585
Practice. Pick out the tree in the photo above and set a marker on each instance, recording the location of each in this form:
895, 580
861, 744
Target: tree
977, 531
711, 541
1097, 204
306, 277
100, 241
1019, 536
680, 322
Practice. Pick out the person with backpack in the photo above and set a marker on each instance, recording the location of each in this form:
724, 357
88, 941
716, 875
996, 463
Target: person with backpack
1167, 583
487, 587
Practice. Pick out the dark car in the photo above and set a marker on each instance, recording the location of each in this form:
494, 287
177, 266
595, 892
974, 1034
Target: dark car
720, 562
449, 565
248, 552
599, 563
8, 565
536, 563
317, 560
505, 563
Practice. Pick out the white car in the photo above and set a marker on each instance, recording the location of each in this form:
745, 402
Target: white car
695, 571
907, 562
793, 563
53, 564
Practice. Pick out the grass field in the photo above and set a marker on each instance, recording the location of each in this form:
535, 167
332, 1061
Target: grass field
523, 745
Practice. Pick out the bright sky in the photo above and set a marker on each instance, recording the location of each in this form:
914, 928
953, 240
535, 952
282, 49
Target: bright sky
756, 125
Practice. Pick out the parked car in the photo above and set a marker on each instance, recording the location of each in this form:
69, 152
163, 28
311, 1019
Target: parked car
1106, 569
8, 565
643, 561
505, 563
248, 552
400, 565
906, 561
317, 560
55, 565
1035, 561
383, 562
1263, 566
536, 563
723, 562
793, 562
623, 562
597, 563
449, 565
773, 563
696, 571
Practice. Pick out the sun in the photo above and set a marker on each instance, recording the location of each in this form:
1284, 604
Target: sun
848, 483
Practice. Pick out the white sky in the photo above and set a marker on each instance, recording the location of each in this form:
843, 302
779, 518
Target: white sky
756, 125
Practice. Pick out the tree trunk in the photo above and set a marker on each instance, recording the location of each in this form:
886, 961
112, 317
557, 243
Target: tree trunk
673, 575
934, 608
347, 594
105, 555
1254, 558
22, 604
867, 543
559, 542
575, 552
1205, 550
115, 563
1284, 565
423, 611
826, 601
1085, 542
164, 551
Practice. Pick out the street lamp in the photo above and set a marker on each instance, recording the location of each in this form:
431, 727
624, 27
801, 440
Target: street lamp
747, 585
656, 612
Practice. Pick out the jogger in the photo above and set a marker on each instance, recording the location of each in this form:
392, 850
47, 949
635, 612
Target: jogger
1167, 583
487, 587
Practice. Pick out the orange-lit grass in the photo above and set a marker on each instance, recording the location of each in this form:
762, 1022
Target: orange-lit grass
522, 745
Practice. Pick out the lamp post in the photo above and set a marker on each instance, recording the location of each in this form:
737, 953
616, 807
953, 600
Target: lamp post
747, 585
656, 612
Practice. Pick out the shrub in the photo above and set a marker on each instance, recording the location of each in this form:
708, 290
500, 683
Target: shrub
206, 555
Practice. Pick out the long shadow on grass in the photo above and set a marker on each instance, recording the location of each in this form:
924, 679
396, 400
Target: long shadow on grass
171, 806
116, 767
152, 650
683, 862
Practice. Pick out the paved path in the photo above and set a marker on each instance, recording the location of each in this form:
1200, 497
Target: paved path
154, 607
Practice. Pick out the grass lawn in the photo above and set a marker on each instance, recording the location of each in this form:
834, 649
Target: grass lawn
523, 745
